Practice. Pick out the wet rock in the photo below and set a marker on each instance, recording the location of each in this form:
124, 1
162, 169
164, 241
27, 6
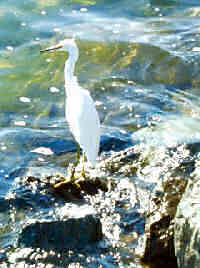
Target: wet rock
187, 227
47, 239
163, 205
115, 142
61, 235
143, 184
4, 205
61, 225
17, 172
76, 187
151, 64
3, 257
159, 242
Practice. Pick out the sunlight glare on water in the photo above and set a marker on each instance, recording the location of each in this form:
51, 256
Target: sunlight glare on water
132, 57
139, 60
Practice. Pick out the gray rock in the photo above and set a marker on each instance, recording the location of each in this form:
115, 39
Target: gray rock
163, 202
187, 225
61, 235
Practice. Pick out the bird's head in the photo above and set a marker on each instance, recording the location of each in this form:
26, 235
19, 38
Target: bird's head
67, 45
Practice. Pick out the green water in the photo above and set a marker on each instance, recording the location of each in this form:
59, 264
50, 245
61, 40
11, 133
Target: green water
137, 58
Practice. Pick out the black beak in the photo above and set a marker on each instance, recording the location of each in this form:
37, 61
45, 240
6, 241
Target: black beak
51, 48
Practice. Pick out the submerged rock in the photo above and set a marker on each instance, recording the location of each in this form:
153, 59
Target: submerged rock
151, 64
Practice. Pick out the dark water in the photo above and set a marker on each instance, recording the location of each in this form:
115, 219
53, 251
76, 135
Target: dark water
139, 59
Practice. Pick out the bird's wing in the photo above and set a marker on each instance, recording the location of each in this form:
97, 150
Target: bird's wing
84, 122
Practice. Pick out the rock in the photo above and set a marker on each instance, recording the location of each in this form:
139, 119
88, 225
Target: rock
162, 175
187, 225
115, 142
3, 257
110, 206
167, 169
4, 205
163, 205
151, 64
61, 235
60, 225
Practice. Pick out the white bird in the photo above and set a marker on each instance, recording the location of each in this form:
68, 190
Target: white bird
80, 110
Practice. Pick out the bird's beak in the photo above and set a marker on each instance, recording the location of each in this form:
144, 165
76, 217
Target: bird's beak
51, 48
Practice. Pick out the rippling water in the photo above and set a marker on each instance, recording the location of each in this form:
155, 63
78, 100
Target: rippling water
139, 59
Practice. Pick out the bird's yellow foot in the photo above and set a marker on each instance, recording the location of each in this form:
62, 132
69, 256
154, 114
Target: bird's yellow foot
71, 172
83, 172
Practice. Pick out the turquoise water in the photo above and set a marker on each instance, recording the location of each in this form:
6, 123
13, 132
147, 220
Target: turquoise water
139, 59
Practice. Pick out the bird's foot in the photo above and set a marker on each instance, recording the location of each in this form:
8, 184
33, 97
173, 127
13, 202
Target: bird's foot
71, 172
83, 172
75, 172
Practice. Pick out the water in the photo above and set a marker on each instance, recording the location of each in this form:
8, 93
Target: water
139, 59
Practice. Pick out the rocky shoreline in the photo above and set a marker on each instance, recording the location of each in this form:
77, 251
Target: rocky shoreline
139, 206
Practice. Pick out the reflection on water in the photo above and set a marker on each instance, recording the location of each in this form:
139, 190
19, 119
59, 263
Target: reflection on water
173, 131
137, 58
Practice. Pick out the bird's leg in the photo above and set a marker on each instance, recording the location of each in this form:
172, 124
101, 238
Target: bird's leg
83, 168
78, 154
72, 173
73, 168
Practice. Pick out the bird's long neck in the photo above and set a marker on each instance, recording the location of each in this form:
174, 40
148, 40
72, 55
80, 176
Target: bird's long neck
70, 78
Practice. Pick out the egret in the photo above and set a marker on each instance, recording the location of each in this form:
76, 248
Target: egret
80, 110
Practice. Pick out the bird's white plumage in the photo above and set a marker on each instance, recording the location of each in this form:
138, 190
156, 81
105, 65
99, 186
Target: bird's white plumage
84, 123
80, 109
